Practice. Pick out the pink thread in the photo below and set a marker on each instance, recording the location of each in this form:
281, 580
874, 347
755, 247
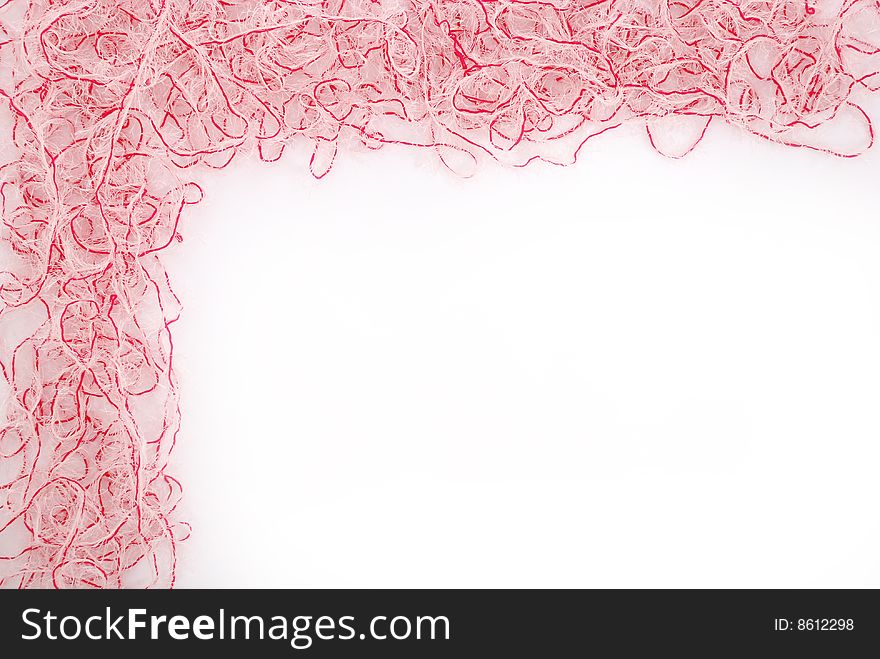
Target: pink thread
112, 100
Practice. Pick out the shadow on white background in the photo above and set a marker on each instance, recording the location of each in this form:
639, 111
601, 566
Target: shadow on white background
631, 372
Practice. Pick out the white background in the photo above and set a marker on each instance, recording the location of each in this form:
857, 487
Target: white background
633, 372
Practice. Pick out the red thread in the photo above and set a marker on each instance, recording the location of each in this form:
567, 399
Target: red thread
113, 100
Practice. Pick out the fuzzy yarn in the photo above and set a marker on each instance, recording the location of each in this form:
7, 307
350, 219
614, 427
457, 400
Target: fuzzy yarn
110, 102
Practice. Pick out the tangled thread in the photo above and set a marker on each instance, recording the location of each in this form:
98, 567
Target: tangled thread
111, 101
